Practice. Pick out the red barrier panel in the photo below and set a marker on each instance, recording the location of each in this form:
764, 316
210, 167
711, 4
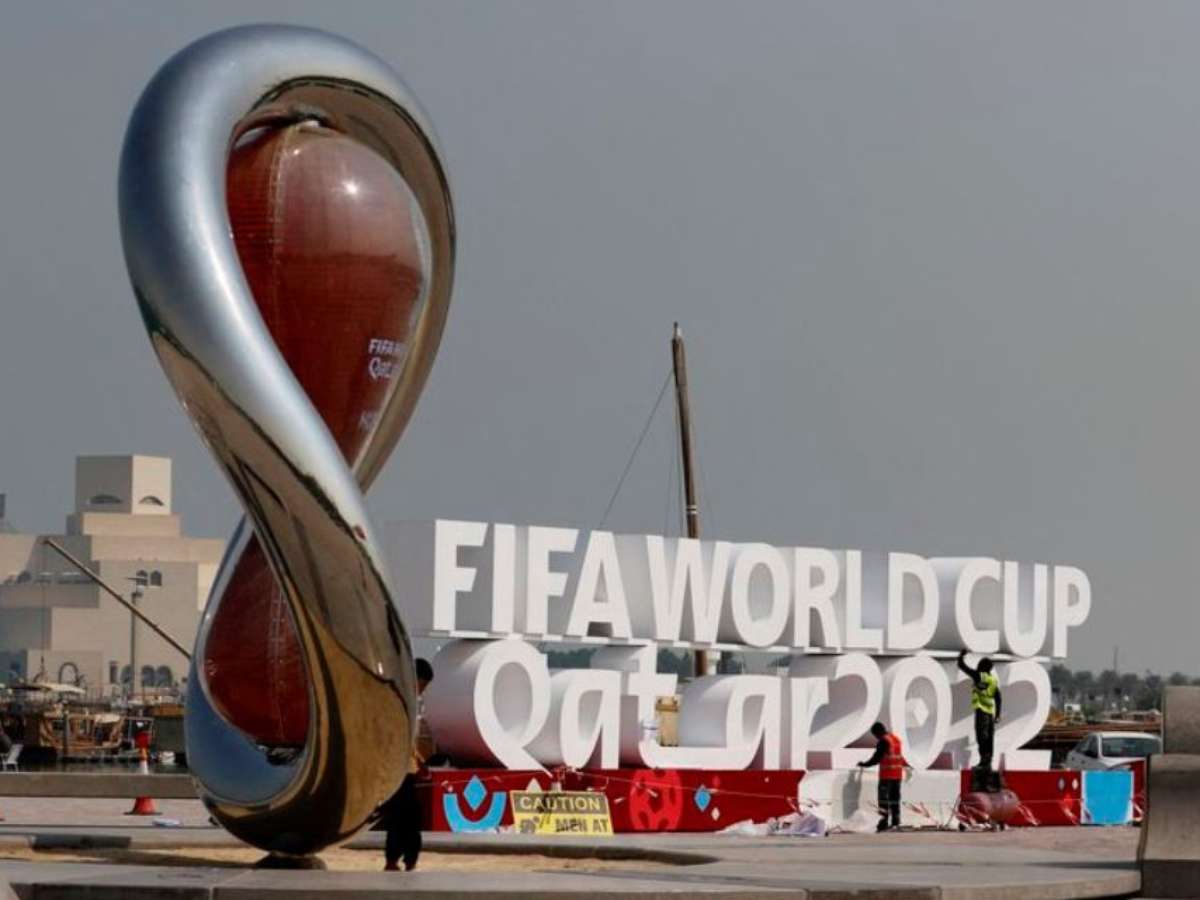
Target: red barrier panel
1053, 797
648, 800
689, 799
464, 800
1139, 789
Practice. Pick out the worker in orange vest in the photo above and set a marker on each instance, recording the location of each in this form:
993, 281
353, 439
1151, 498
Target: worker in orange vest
889, 756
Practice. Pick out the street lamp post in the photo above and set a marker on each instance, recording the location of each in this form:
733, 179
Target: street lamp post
135, 672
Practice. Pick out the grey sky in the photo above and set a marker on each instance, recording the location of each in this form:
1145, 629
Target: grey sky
936, 263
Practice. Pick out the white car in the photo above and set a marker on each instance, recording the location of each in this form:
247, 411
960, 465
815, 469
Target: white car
1112, 749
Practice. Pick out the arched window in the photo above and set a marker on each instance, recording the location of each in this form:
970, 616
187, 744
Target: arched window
151, 500
156, 578
149, 678
164, 677
104, 500
141, 578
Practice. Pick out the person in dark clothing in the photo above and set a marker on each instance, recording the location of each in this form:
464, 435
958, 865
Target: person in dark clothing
986, 701
402, 812
889, 756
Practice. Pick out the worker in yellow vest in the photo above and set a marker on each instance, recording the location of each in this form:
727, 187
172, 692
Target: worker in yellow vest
986, 701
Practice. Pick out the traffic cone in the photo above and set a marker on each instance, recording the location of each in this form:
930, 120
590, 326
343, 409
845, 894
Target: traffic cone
143, 806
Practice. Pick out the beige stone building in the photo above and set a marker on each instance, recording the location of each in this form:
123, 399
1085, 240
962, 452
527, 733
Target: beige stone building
56, 623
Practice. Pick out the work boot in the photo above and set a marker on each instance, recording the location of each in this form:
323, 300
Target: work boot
882, 826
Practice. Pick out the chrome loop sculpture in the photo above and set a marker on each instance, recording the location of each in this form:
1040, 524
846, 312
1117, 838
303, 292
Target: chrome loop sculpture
300, 368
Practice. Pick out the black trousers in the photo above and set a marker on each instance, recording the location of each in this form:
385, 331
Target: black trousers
889, 803
985, 736
403, 818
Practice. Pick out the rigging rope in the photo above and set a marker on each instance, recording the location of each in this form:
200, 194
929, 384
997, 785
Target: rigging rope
672, 501
633, 455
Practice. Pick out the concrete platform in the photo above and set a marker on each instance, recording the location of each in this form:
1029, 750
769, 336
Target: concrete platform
1033, 864
96, 784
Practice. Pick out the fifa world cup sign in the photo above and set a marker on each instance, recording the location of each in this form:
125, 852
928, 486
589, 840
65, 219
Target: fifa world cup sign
289, 235
868, 637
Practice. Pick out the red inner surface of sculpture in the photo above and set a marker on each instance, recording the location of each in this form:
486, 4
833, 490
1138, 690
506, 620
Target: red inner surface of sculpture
331, 245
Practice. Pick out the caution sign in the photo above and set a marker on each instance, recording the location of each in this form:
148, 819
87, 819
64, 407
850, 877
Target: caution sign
561, 812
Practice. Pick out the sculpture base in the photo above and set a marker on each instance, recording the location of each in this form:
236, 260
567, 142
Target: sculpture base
280, 861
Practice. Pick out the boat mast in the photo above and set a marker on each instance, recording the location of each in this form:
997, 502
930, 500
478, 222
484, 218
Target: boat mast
691, 509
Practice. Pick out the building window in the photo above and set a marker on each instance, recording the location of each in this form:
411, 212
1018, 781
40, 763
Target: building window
151, 500
156, 578
104, 500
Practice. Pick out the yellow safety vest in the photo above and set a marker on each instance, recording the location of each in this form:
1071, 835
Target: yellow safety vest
983, 695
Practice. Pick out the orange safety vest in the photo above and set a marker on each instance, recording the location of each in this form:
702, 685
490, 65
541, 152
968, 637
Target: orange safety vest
892, 766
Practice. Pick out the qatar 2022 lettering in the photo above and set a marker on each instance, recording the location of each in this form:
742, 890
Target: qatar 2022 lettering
870, 636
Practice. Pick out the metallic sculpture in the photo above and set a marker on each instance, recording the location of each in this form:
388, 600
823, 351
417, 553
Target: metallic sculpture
289, 234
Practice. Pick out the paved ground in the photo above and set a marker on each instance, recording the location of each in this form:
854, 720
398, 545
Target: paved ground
21, 813
1030, 864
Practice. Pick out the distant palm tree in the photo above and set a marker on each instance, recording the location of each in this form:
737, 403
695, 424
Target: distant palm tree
1107, 686
1062, 682
1130, 684
1150, 696
1085, 685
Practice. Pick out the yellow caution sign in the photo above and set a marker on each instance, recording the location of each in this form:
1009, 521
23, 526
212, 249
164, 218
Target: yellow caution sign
561, 812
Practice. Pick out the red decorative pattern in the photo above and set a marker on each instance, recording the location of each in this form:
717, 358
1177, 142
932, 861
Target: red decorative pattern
655, 800
325, 233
